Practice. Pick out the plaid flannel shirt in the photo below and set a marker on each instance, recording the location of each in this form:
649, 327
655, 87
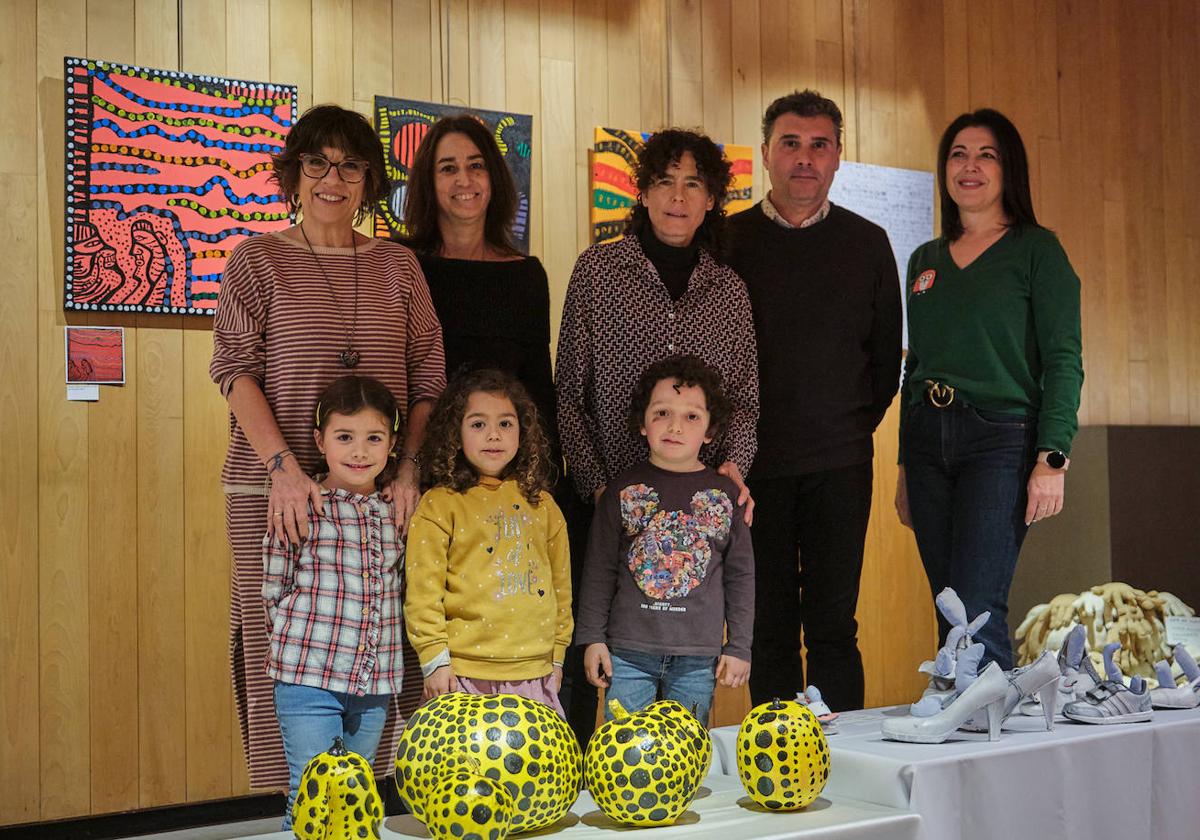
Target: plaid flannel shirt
334, 602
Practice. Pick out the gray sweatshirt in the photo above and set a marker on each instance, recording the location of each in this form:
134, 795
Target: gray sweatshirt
669, 564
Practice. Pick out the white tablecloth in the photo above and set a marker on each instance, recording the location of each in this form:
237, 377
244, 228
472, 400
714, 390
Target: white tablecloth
721, 811
1079, 782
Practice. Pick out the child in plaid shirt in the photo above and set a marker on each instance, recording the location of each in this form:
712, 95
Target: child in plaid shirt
333, 602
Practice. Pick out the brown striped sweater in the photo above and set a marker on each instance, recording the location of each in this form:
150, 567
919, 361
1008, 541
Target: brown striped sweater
278, 322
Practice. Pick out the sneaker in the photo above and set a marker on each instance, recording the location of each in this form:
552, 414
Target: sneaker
1170, 696
1112, 702
811, 697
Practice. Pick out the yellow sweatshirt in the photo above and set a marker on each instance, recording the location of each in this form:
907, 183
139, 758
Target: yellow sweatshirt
489, 581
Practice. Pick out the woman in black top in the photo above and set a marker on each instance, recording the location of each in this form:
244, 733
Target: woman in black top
494, 305
493, 302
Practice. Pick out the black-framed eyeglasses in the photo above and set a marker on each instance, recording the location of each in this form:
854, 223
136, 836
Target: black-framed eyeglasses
349, 170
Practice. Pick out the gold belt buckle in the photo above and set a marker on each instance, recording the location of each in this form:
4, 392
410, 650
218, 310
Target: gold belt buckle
940, 394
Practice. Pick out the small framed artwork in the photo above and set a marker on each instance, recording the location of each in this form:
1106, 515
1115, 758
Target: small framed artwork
95, 355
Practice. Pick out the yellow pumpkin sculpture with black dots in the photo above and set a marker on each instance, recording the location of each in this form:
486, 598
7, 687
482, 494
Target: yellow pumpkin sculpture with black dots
782, 755
677, 712
466, 805
643, 768
337, 799
522, 744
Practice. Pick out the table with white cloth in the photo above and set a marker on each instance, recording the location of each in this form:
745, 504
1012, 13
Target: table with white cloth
1117, 781
721, 810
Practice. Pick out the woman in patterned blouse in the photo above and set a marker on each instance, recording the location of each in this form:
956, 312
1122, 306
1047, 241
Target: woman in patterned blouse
659, 291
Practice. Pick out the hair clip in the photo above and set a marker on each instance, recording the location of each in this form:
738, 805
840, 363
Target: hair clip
317, 418
396, 422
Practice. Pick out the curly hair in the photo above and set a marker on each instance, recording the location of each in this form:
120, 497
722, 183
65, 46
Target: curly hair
420, 194
686, 371
348, 395
802, 103
445, 465
334, 127
664, 149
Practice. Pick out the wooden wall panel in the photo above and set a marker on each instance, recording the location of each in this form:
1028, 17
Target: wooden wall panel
523, 94
486, 52
19, 402
112, 459
685, 71
122, 629
63, 504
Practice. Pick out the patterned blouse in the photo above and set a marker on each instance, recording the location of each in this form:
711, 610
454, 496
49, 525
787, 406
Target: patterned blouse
618, 319
279, 321
334, 601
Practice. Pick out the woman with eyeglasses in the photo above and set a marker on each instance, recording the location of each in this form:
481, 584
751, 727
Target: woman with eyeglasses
298, 309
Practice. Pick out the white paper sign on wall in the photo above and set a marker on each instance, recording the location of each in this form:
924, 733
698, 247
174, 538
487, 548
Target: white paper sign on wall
898, 200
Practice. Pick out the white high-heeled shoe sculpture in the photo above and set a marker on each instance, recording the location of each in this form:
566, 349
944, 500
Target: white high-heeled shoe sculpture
943, 668
1076, 674
987, 692
1039, 679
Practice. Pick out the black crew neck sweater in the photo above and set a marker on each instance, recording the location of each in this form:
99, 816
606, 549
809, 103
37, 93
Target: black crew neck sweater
827, 315
496, 314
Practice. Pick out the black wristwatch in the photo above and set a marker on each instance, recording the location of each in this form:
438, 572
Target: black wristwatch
1053, 458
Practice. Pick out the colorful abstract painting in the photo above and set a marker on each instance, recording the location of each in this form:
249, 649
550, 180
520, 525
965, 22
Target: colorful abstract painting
165, 173
95, 355
614, 155
403, 123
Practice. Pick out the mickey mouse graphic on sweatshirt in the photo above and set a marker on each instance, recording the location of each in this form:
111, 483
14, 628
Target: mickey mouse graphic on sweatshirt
668, 566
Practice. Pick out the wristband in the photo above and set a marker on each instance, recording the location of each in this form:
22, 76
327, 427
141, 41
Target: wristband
275, 462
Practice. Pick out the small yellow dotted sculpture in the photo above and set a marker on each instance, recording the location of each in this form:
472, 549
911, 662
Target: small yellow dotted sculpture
522, 744
466, 805
782, 755
643, 768
337, 799
675, 710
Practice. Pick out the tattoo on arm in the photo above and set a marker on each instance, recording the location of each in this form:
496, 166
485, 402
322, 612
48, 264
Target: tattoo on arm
275, 462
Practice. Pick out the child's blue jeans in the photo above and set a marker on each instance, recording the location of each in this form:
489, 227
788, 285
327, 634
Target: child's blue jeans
638, 678
310, 718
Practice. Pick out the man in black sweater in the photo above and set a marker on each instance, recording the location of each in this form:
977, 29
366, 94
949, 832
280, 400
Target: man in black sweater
827, 313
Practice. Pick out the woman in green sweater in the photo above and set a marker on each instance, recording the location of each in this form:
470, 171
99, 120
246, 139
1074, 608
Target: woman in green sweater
992, 377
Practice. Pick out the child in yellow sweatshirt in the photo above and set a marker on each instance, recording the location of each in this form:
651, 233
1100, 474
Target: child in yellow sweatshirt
488, 606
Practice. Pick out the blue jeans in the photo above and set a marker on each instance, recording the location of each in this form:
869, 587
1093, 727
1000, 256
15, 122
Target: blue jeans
310, 718
967, 471
638, 677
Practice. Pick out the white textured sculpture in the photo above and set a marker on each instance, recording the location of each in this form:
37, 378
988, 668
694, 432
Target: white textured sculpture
1111, 612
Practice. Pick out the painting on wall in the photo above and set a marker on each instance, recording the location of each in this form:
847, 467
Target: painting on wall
95, 355
403, 123
166, 173
613, 157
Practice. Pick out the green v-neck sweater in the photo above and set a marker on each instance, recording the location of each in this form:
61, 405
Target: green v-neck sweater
1004, 331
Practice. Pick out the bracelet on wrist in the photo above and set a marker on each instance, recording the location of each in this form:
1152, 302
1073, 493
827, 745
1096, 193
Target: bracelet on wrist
404, 456
275, 462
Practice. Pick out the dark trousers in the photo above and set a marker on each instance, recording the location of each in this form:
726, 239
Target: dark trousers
966, 472
577, 695
808, 535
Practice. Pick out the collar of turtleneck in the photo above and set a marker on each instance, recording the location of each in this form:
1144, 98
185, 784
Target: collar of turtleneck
673, 264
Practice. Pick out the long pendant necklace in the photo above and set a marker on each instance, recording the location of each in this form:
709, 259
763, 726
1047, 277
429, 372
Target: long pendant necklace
348, 357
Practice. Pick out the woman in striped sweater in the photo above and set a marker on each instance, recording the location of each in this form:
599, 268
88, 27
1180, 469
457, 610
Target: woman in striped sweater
297, 309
